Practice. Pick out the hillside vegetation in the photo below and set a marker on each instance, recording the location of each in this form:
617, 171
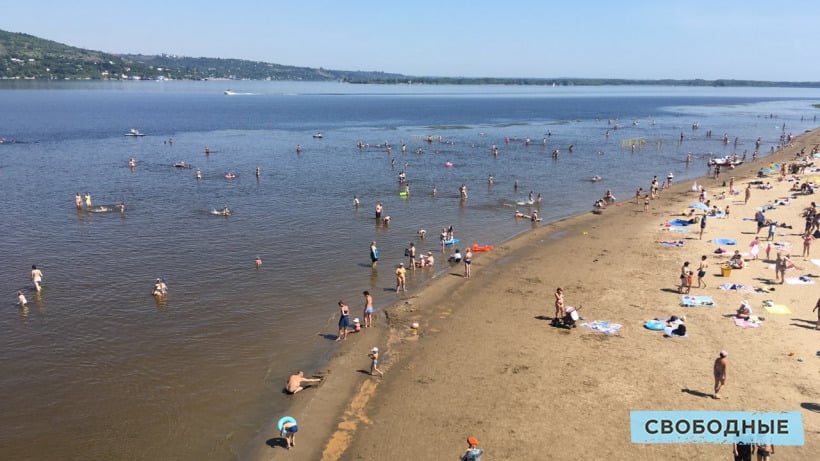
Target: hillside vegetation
24, 56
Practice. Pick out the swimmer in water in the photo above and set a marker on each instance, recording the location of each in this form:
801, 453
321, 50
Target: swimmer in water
355, 201
21, 299
198, 173
258, 262
226, 211
78, 201
258, 171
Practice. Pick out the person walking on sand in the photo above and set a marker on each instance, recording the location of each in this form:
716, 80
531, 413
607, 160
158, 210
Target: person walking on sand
807, 238
754, 248
721, 369
764, 451
468, 261
685, 279
295, 382
817, 308
702, 271
702, 226
368, 309
473, 453
36, 277
401, 278
748, 193
374, 362
344, 321
742, 451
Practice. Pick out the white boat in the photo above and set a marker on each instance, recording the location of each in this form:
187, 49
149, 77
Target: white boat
318, 136
229, 93
730, 161
134, 132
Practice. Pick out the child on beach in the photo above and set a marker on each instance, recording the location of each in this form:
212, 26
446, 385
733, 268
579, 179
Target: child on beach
374, 362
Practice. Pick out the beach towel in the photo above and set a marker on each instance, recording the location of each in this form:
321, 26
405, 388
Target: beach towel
676, 229
722, 241
745, 323
802, 280
781, 309
603, 326
692, 301
679, 222
740, 288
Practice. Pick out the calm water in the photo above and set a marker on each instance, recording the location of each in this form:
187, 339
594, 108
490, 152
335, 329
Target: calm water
95, 368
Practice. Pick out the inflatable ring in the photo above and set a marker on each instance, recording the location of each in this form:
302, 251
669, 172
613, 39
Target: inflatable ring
284, 420
655, 325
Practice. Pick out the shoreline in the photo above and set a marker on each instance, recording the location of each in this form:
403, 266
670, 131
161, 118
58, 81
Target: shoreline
338, 417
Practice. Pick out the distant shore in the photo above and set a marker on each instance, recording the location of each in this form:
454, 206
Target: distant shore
488, 364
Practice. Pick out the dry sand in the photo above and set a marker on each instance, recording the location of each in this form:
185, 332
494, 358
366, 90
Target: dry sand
488, 364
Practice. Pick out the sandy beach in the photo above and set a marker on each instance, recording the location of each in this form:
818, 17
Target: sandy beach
487, 363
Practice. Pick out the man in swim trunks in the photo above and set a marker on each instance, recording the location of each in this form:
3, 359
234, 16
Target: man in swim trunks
764, 451
289, 430
295, 382
720, 370
411, 253
468, 261
368, 309
36, 277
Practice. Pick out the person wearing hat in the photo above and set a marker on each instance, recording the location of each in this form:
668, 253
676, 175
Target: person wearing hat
429, 260
374, 361
720, 369
473, 453
401, 278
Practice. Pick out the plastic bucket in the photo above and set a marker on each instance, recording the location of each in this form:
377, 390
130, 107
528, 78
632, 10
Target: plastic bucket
726, 271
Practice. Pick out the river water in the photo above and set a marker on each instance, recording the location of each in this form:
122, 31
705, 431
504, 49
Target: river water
97, 368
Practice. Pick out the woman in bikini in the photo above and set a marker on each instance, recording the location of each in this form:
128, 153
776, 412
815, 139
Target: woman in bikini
560, 310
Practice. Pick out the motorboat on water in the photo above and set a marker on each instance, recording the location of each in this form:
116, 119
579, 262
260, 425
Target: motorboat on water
230, 93
318, 136
730, 161
181, 164
134, 132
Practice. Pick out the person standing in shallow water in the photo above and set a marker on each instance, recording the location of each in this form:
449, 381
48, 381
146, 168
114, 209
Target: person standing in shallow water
374, 254
36, 277
368, 309
344, 321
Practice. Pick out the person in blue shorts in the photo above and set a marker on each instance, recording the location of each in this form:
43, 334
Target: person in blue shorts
289, 431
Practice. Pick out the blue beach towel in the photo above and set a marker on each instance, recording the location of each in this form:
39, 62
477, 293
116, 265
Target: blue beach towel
679, 222
724, 241
692, 301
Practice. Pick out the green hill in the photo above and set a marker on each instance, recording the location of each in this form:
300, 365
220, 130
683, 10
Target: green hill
24, 56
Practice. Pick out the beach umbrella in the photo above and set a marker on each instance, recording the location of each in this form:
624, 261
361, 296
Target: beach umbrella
699, 206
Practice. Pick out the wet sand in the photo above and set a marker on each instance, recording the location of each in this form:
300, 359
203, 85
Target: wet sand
487, 363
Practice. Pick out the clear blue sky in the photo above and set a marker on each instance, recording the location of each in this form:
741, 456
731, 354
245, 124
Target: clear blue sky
751, 39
